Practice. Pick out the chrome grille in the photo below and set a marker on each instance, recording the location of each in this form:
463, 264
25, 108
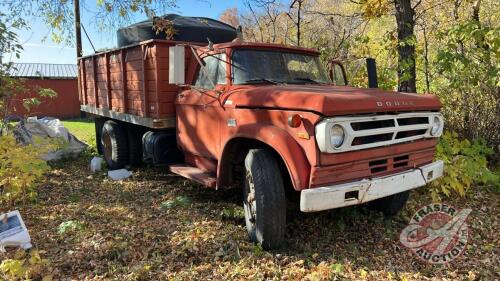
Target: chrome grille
363, 132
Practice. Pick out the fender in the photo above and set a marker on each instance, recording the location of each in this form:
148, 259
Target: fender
280, 140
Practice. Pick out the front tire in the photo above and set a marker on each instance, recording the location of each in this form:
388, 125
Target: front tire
264, 200
390, 205
114, 145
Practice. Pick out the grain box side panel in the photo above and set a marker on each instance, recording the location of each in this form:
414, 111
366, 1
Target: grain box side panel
89, 81
165, 92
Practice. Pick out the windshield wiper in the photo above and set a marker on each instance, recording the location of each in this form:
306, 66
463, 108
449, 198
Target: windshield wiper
307, 80
260, 80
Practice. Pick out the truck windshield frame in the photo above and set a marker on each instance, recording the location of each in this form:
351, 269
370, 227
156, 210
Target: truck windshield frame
252, 66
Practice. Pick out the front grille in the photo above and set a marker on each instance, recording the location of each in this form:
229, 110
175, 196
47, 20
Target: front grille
364, 132
394, 128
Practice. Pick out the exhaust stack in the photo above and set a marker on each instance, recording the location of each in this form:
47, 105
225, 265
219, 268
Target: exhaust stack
371, 68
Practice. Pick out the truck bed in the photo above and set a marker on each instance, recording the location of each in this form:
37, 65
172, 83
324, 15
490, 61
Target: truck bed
130, 84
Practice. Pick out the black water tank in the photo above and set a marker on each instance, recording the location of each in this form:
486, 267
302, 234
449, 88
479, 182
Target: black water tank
189, 29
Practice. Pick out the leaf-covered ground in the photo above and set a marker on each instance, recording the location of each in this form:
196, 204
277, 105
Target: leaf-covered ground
157, 226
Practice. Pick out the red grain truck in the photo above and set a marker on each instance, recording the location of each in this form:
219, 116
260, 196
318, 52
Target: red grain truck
266, 118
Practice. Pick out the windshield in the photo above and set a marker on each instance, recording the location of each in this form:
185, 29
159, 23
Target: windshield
263, 66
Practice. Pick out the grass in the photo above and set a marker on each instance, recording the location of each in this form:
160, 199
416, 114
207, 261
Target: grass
83, 129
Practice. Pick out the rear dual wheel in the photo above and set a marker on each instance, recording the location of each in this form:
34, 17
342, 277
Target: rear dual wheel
115, 146
120, 144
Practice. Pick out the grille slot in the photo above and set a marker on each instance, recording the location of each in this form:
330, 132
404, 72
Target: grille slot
368, 125
372, 139
411, 133
377, 166
400, 161
413, 121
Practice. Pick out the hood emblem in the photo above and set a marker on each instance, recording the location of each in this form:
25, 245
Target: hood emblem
394, 103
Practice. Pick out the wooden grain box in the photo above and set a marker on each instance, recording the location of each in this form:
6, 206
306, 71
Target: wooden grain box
130, 84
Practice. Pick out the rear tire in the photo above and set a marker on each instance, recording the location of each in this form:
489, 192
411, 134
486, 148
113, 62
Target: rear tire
264, 200
99, 123
115, 145
390, 205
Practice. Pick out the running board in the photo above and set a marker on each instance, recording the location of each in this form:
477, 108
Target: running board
195, 174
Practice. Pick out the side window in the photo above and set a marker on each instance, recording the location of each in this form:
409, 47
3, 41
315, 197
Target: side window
215, 67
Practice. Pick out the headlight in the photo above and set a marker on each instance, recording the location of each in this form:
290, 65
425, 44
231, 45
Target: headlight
437, 126
337, 136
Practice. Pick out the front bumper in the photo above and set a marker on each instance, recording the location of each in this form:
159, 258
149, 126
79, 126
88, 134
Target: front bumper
359, 192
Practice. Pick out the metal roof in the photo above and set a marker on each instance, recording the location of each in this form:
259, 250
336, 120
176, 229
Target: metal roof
43, 70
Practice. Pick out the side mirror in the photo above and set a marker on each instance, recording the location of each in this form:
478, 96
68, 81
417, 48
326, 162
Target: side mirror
337, 73
176, 67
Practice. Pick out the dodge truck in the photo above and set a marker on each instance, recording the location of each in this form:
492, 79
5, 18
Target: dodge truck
269, 119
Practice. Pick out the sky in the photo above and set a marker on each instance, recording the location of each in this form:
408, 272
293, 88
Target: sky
39, 48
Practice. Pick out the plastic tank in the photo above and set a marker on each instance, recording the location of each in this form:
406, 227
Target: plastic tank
188, 29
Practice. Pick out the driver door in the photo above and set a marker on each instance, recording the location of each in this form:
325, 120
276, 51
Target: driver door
198, 110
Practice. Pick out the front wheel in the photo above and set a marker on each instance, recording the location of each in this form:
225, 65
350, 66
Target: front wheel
390, 205
264, 199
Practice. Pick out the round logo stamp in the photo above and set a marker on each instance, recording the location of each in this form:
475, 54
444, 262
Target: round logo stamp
437, 233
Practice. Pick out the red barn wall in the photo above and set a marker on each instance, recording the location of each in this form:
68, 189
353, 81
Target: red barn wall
65, 105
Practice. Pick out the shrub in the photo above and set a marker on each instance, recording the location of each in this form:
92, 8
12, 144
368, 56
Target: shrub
21, 168
465, 164
468, 83
25, 267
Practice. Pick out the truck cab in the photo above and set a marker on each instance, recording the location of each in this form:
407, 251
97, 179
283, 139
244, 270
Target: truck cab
279, 115
276, 122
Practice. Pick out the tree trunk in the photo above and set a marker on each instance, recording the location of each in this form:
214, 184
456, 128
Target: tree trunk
405, 18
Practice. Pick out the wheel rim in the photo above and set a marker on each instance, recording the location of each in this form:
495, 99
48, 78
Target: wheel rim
106, 144
249, 202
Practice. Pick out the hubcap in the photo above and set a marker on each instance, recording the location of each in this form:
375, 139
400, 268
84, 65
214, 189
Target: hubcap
250, 203
106, 143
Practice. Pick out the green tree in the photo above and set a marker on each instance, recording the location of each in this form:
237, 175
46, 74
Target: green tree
59, 14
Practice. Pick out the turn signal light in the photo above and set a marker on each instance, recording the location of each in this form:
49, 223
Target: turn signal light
294, 121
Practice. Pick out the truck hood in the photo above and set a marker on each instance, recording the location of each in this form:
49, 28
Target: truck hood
329, 100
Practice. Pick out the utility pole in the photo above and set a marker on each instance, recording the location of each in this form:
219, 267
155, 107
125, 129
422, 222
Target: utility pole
78, 31
79, 53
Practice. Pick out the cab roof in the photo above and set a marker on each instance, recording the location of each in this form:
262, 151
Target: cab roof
237, 44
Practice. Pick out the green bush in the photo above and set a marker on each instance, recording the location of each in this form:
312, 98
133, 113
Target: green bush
21, 169
26, 266
465, 163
